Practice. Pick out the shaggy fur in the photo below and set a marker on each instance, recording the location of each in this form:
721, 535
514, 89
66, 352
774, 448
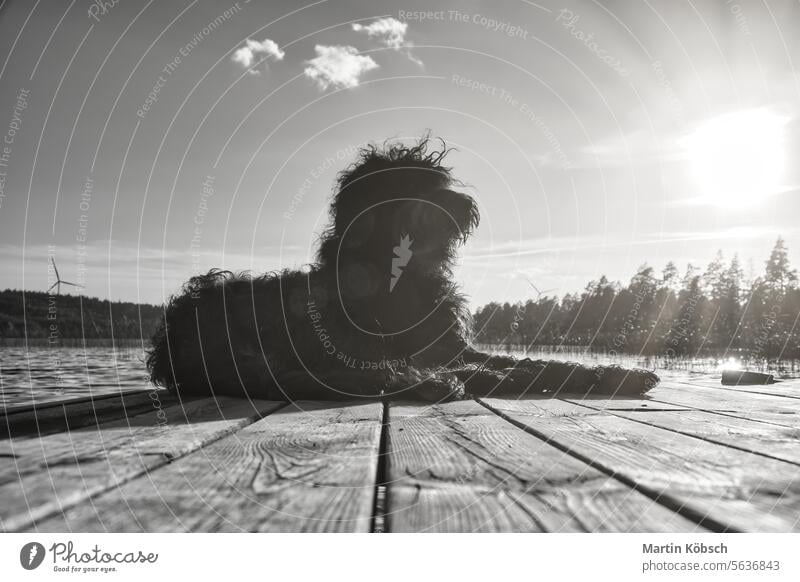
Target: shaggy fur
378, 314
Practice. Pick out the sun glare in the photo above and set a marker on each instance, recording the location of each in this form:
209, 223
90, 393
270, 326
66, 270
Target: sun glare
729, 364
738, 158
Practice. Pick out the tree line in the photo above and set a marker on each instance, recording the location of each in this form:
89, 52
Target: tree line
36, 314
717, 311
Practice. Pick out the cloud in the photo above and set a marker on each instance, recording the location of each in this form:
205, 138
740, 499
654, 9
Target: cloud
246, 55
489, 254
391, 33
338, 66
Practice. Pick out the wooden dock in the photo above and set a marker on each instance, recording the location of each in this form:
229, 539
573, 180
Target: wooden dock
694, 456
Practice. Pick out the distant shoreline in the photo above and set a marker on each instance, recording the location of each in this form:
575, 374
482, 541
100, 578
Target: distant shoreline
74, 342
36, 316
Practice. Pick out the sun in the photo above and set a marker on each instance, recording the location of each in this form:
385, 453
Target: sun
738, 158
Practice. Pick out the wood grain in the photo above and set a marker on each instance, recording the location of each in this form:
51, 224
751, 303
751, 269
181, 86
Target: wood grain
690, 456
137, 434
715, 485
784, 388
310, 466
47, 475
459, 467
761, 407
777, 442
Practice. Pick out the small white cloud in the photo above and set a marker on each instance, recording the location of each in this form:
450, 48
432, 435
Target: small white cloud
391, 33
338, 66
246, 55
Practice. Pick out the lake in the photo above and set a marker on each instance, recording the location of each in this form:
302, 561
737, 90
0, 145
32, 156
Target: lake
44, 373
670, 366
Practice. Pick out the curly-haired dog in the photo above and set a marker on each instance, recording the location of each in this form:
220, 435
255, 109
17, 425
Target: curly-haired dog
378, 314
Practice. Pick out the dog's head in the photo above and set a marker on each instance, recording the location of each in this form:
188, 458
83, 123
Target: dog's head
396, 214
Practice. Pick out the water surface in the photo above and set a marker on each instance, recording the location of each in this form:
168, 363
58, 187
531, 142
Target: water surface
44, 374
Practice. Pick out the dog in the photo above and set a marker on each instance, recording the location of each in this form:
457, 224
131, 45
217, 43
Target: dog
378, 315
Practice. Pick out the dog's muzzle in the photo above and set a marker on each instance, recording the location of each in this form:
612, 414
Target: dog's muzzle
445, 210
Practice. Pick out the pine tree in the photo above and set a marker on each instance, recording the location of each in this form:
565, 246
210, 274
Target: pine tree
670, 276
684, 337
779, 275
734, 278
714, 277
689, 275
730, 307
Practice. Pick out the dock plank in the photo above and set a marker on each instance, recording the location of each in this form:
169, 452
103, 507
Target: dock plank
720, 487
752, 406
310, 466
51, 417
48, 474
776, 442
783, 388
459, 467
139, 432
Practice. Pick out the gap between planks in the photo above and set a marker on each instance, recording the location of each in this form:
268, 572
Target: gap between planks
379, 521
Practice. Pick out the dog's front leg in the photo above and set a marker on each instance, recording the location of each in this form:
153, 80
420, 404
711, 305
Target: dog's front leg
487, 374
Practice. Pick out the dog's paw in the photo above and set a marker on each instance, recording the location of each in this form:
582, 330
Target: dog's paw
618, 381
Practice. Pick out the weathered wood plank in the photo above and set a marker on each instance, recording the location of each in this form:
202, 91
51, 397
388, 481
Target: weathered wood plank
34, 453
308, 467
760, 407
50, 417
781, 443
627, 404
46, 475
459, 467
784, 389
718, 486
57, 397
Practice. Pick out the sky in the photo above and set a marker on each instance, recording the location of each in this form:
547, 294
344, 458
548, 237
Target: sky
144, 142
